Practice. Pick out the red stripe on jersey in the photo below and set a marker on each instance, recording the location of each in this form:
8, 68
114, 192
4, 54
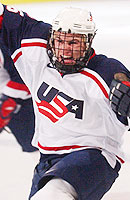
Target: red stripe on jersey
47, 114
71, 147
53, 109
44, 104
1, 20
121, 160
97, 81
126, 83
60, 148
37, 44
18, 86
94, 54
17, 56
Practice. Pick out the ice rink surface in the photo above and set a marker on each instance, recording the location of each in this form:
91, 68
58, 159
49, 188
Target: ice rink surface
113, 39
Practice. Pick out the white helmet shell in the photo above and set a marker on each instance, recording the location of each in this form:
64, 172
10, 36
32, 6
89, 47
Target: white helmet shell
75, 20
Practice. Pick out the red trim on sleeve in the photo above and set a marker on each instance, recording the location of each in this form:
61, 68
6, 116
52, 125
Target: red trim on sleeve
17, 56
18, 86
31, 44
1, 20
126, 83
97, 81
121, 160
94, 54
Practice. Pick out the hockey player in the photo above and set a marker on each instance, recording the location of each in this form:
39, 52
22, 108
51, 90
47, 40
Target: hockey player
78, 134
16, 109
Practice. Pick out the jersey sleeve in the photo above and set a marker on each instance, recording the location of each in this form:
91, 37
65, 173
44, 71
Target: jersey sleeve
114, 66
18, 30
107, 67
11, 83
17, 25
4, 76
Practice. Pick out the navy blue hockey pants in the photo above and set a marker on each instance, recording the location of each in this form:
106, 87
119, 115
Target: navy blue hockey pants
86, 170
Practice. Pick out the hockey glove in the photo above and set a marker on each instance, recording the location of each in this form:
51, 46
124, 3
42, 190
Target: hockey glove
8, 106
120, 97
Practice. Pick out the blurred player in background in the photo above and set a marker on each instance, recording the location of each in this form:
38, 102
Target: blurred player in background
16, 108
81, 102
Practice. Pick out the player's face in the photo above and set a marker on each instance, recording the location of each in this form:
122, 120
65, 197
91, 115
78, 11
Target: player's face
69, 47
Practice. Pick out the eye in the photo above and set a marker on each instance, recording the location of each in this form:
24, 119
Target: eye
73, 42
60, 41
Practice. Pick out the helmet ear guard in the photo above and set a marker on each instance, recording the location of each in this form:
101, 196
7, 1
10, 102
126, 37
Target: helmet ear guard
72, 21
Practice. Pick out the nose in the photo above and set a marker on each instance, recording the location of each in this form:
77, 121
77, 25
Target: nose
68, 46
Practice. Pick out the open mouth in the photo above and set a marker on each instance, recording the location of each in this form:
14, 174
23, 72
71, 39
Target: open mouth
67, 60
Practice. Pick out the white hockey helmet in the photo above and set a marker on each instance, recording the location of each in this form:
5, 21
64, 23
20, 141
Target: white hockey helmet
74, 20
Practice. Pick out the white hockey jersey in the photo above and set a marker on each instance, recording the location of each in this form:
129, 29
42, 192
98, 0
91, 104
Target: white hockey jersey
72, 111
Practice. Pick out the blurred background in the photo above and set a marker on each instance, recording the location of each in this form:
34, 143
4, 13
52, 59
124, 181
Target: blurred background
112, 19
